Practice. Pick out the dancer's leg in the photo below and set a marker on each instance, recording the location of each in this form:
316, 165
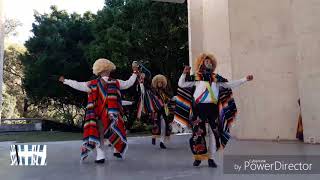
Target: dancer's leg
100, 153
214, 139
198, 142
211, 142
163, 132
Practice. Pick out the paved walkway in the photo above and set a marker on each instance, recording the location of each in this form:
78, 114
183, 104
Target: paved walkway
147, 162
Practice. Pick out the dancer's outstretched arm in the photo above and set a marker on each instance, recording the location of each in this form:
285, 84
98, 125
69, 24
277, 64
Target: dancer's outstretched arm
182, 80
128, 83
80, 86
236, 83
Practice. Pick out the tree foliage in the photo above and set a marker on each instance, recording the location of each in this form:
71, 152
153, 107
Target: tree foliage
154, 33
13, 91
57, 48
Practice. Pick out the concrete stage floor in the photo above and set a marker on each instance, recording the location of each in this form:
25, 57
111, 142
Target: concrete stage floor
147, 162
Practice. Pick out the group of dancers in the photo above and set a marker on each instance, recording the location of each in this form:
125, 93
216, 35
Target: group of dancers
203, 101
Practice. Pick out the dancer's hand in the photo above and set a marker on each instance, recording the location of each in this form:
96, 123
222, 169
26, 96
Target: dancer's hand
249, 77
141, 77
186, 70
61, 79
135, 67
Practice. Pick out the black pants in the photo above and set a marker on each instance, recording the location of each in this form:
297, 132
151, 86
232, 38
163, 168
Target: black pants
204, 113
157, 127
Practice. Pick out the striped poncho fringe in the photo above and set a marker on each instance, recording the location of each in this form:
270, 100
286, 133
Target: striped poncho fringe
104, 104
149, 103
183, 107
226, 105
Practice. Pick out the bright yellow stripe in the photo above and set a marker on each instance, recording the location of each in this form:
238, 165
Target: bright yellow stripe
116, 141
211, 93
201, 157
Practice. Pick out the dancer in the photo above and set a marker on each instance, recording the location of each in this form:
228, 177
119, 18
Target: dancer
211, 103
299, 133
103, 118
155, 102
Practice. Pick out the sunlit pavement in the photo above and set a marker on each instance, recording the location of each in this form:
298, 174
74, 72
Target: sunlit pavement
145, 161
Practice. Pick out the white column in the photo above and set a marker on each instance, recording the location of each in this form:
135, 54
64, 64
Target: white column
216, 34
1, 51
195, 21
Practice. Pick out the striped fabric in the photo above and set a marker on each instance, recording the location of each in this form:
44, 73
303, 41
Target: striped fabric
149, 103
104, 104
156, 104
227, 114
226, 104
183, 108
199, 77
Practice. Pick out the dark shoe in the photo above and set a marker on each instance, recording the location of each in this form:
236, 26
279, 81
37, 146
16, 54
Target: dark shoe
154, 141
211, 163
117, 155
101, 161
162, 146
196, 162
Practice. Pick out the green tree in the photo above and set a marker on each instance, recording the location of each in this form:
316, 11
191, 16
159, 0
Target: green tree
12, 91
154, 33
57, 48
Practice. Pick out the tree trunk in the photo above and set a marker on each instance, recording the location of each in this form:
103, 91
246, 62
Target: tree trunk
1, 51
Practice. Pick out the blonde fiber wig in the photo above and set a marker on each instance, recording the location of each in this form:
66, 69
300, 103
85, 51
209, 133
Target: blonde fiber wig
159, 78
102, 65
200, 60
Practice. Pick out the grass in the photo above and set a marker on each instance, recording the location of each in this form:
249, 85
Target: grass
23, 137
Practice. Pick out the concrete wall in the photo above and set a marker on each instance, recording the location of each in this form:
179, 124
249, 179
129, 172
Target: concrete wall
307, 34
263, 43
21, 127
216, 35
206, 17
278, 42
195, 21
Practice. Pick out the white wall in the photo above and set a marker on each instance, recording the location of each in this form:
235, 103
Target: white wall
206, 17
263, 43
216, 35
307, 32
195, 20
278, 42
